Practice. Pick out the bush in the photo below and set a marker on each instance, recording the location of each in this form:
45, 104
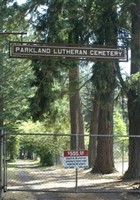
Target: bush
46, 159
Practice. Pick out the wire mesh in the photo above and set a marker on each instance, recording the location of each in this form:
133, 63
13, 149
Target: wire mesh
26, 174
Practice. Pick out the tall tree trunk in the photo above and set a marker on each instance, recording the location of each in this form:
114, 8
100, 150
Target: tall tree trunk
1, 127
77, 126
81, 139
133, 98
1, 146
105, 86
104, 161
77, 123
134, 142
93, 131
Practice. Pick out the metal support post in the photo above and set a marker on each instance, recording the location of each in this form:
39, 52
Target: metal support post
123, 160
4, 163
76, 171
1, 164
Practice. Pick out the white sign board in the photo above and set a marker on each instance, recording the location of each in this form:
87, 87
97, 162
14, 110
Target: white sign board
76, 159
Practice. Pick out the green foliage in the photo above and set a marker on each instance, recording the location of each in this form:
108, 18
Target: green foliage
15, 74
45, 146
12, 147
133, 83
48, 80
62, 21
30, 127
119, 124
103, 80
16, 90
46, 158
120, 129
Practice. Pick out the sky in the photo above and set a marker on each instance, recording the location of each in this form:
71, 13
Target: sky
125, 66
21, 1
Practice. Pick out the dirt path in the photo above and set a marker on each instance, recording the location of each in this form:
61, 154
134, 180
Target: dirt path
27, 176
74, 196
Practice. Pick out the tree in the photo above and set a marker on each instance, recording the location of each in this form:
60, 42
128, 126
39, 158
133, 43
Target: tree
61, 18
4, 15
12, 147
15, 75
104, 159
134, 94
75, 36
104, 74
44, 146
93, 129
77, 22
77, 124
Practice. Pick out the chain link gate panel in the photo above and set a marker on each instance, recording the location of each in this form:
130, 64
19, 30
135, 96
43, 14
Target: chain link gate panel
26, 173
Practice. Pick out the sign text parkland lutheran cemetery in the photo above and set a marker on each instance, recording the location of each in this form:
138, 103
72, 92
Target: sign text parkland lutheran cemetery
31, 50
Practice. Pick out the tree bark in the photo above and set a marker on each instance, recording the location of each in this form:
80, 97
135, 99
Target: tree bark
133, 98
104, 76
134, 142
76, 117
104, 161
93, 131
1, 137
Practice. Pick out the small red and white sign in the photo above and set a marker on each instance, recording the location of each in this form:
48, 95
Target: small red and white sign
76, 159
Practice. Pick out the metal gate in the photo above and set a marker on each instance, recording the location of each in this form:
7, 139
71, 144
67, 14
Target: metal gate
27, 175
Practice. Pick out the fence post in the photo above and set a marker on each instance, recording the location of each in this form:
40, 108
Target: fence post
1, 164
76, 171
123, 157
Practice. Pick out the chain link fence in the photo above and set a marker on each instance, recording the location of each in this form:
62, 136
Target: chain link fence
37, 164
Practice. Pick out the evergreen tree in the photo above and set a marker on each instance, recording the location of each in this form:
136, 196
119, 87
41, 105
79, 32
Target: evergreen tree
60, 22
133, 171
103, 79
